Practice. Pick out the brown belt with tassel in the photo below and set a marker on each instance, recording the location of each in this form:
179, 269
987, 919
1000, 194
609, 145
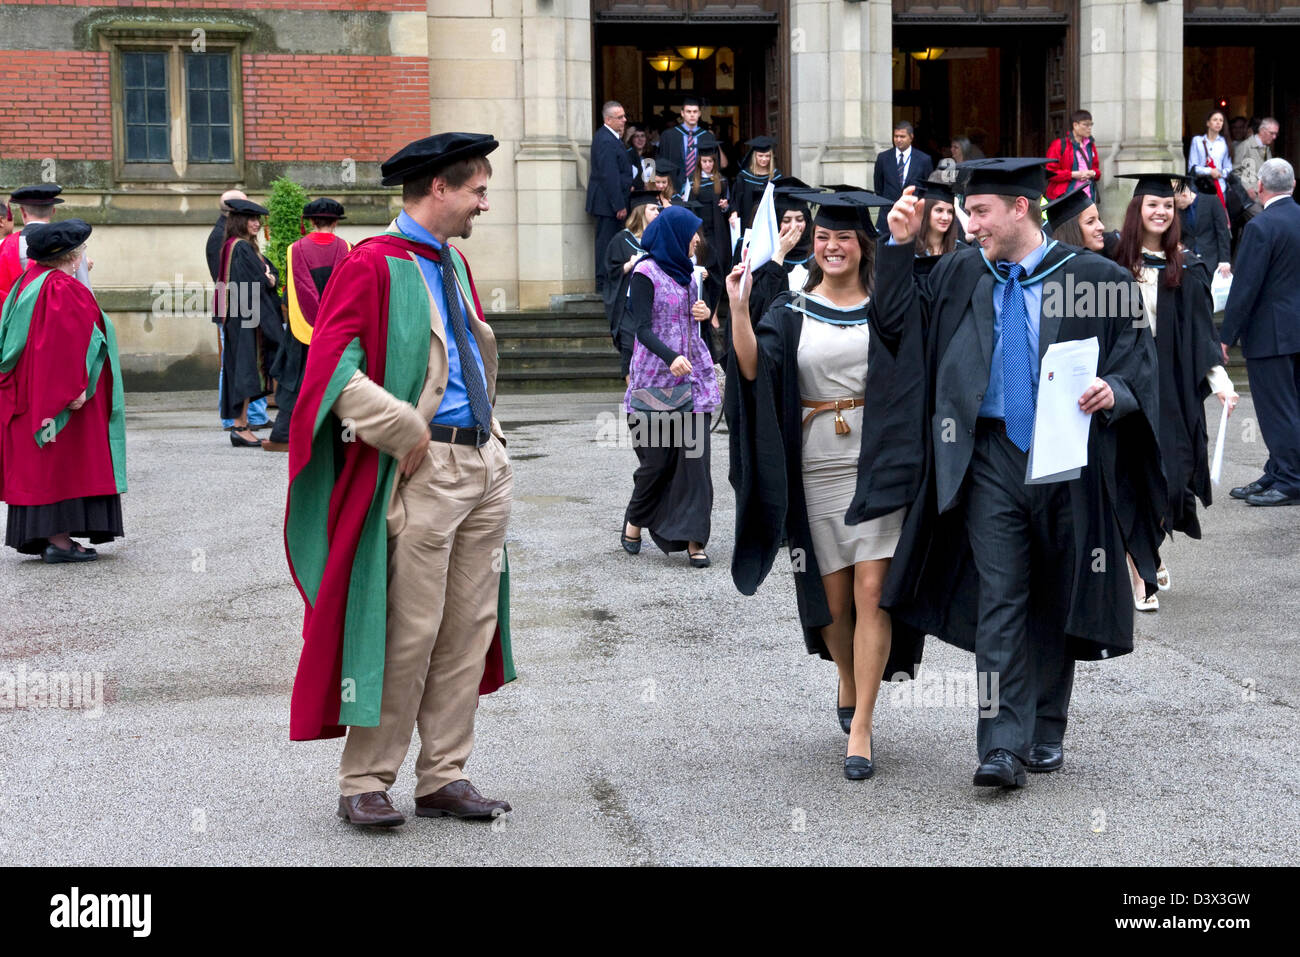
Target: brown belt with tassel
836, 405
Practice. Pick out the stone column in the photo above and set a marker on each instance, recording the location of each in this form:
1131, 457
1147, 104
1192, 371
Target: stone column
1131, 79
555, 235
841, 88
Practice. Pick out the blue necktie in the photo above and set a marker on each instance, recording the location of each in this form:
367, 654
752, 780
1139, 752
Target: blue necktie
479, 405
1017, 386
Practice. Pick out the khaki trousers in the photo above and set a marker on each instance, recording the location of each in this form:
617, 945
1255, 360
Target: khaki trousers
444, 568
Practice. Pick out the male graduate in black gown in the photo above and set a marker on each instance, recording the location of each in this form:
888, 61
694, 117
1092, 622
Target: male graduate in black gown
1029, 577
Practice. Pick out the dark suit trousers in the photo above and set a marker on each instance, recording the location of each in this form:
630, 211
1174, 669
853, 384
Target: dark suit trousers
607, 228
1021, 540
1275, 390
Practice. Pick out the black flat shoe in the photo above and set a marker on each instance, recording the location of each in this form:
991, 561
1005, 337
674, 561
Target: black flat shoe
630, 545
241, 443
844, 714
1045, 757
858, 768
1000, 769
698, 559
77, 553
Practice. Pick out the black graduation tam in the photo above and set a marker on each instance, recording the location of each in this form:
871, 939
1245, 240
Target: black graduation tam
1070, 206
643, 197
666, 167
1155, 184
48, 240
427, 156
323, 208
247, 207
1007, 176
44, 195
939, 192
791, 193
761, 144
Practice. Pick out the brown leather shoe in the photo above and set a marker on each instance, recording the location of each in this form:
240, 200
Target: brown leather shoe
374, 808
459, 799
269, 446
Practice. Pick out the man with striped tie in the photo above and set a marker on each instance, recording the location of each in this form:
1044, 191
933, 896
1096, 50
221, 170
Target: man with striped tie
1031, 577
680, 145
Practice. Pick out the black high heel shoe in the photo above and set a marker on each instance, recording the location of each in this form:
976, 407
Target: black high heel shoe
241, 443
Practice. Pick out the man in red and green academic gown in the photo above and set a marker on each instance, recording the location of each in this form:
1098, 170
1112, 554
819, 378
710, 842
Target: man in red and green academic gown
62, 421
309, 263
399, 496
37, 204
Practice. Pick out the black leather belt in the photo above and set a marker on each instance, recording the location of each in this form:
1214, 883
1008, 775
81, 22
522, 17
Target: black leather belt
992, 425
459, 435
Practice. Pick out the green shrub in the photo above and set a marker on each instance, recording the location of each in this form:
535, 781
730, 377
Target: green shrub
282, 228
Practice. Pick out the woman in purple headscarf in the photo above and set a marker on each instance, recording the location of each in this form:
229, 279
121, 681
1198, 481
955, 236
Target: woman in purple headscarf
671, 392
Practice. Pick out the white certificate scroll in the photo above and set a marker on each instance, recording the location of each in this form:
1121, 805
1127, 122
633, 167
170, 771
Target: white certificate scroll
1060, 444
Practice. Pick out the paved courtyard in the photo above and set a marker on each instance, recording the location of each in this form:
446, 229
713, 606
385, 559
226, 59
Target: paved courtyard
659, 717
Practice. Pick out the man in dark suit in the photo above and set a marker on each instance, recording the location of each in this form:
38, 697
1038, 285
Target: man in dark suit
1264, 312
609, 182
1031, 577
899, 168
1205, 228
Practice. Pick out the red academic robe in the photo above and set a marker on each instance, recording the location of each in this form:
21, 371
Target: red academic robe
335, 519
311, 261
10, 264
49, 374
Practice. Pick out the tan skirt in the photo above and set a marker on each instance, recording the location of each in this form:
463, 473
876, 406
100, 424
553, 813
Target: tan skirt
827, 494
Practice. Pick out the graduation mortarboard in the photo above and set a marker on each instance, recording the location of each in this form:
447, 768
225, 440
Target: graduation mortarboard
323, 208
1155, 184
44, 195
789, 193
706, 142
1006, 176
1070, 206
426, 156
666, 167
48, 240
642, 197
845, 209
939, 192
246, 207
761, 144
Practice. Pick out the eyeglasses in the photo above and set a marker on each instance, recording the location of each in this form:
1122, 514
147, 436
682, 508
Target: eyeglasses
481, 192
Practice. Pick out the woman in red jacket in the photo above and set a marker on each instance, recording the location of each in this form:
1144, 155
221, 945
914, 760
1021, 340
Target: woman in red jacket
1075, 162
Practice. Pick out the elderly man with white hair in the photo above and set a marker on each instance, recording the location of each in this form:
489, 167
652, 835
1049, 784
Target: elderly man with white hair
1263, 311
1253, 152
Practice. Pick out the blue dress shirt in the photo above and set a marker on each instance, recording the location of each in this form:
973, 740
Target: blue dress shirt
992, 407
454, 408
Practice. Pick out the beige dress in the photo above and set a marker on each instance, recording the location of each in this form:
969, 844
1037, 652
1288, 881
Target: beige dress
832, 363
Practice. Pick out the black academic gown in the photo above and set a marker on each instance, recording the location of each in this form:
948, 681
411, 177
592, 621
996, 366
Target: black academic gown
250, 349
621, 248
747, 193
717, 230
766, 439
1187, 348
1117, 501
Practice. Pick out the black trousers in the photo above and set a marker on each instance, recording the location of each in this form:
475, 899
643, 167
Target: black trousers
1022, 540
1275, 390
607, 228
672, 487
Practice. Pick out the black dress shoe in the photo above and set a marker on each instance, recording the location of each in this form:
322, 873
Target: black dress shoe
1242, 491
858, 768
241, 443
1272, 496
1045, 757
77, 553
1000, 769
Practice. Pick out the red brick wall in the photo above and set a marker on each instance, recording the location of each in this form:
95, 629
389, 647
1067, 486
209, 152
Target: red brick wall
55, 104
314, 108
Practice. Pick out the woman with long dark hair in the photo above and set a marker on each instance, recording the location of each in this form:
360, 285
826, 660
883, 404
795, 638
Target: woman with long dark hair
942, 231
248, 311
1074, 220
621, 255
670, 395
1210, 157
826, 453
1178, 309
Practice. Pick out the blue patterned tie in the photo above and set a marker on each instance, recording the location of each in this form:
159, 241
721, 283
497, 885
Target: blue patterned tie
479, 405
1017, 386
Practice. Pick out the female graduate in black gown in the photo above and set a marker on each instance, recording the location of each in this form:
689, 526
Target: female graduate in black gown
788, 268
757, 169
941, 234
621, 254
1179, 312
248, 310
1073, 219
826, 456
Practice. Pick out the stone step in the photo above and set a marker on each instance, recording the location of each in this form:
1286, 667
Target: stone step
594, 327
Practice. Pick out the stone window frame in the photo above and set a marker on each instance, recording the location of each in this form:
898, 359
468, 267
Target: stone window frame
177, 40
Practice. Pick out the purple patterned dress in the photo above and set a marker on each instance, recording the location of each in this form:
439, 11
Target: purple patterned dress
673, 323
